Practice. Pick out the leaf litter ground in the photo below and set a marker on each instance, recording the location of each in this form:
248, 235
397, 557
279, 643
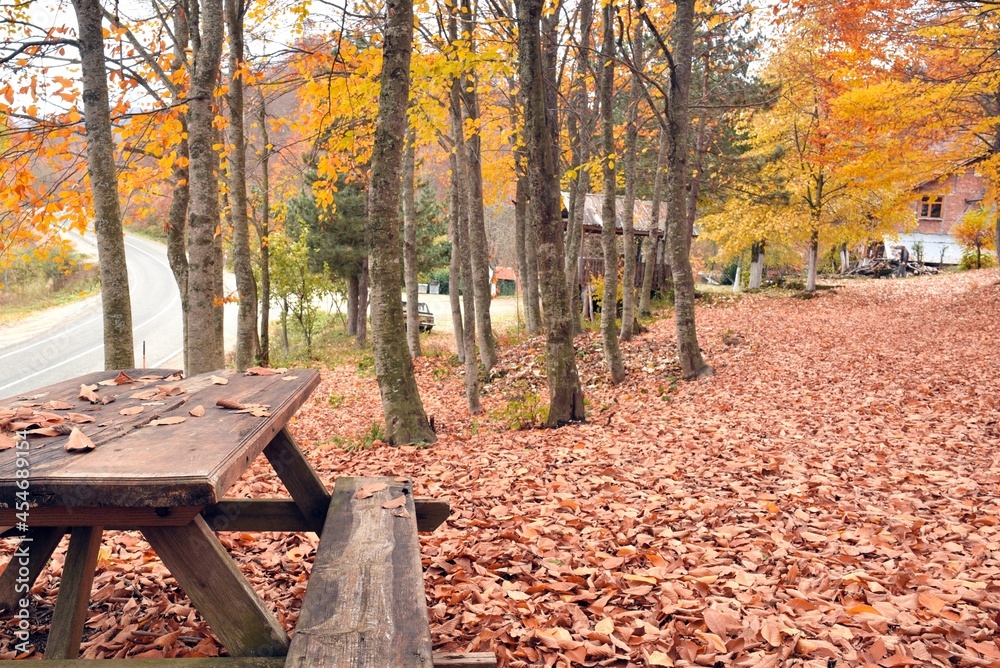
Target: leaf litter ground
830, 497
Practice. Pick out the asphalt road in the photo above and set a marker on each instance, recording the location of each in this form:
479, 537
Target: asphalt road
61, 343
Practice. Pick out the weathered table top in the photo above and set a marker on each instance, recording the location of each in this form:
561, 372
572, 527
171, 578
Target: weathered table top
138, 461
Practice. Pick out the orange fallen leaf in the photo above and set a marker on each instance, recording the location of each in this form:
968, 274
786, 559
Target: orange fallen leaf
131, 410
219, 380
56, 405
398, 502
197, 411
173, 419
78, 441
231, 404
366, 491
89, 392
932, 602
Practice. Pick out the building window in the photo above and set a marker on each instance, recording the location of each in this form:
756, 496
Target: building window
930, 207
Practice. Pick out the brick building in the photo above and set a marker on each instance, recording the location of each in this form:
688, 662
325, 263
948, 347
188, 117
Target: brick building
939, 206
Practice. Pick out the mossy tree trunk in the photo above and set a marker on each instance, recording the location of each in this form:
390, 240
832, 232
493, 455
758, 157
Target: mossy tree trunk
410, 248
565, 392
405, 420
206, 349
119, 349
609, 300
247, 343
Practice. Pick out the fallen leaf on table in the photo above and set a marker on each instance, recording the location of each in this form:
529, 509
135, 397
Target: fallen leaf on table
401, 512
231, 404
122, 378
197, 411
108, 398
78, 441
366, 491
131, 410
219, 380
260, 371
89, 392
170, 390
144, 395
56, 405
173, 419
286, 378
398, 502
257, 410
58, 430
7, 441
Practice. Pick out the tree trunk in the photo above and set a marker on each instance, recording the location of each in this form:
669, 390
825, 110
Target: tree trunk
580, 127
455, 261
812, 261
609, 300
353, 283
176, 226
628, 218
205, 290
468, 297
361, 315
478, 242
524, 247
410, 247
756, 265
565, 393
533, 307
737, 287
405, 420
679, 227
246, 284
264, 232
845, 259
119, 350
651, 257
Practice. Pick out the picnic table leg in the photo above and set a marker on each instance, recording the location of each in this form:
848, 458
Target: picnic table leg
66, 630
299, 478
217, 588
37, 546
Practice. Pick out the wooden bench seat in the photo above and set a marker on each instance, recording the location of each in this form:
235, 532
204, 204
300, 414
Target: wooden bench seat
364, 605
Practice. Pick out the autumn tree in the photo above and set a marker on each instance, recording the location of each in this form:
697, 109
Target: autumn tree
975, 233
119, 350
609, 301
247, 343
565, 392
405, 419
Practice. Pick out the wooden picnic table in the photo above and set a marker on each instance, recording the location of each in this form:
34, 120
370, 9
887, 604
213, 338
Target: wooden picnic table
167, 477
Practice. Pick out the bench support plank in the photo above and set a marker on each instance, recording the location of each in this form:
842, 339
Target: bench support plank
43, 543
299, 478
66, 631
364, 606
284, 515
217, 588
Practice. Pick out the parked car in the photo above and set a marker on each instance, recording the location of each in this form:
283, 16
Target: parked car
424, 315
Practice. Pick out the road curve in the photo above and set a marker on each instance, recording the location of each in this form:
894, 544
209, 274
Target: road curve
61, 343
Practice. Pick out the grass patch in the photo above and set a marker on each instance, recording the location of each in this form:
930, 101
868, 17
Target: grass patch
331, 344
31, 286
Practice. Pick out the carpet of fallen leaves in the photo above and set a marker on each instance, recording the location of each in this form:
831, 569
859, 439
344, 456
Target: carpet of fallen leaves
830, 497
